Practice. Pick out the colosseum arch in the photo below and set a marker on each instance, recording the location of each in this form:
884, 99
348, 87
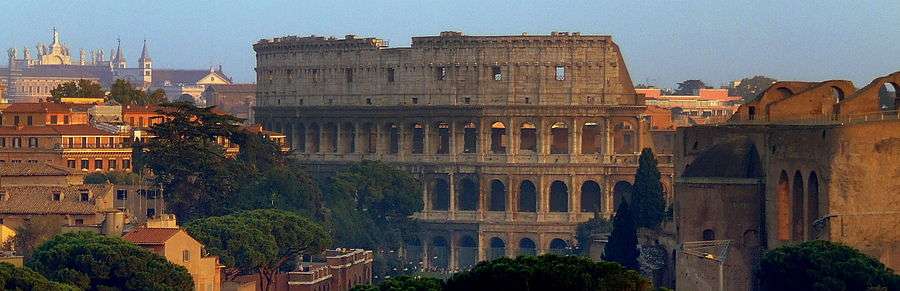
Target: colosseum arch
497, 248
439, 253
330, 132
315, 134
527, 197
559, 138
621, 192
888, 96
418, 138
782, 201
348, 137
591, 200
591, 138
440, 199
527, 247
625, 138
528, 138
468, 195
559, 197
498, 196
812, 203
468, 252
797, 194
470, 138
442, 146
558, 246
498, 138
393, 140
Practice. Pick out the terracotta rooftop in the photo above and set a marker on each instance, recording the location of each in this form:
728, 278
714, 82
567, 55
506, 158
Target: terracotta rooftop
45, 107
150, 236
39, 199
34, 169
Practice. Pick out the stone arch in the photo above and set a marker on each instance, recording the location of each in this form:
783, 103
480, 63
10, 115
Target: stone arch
812, 204
888, 95
498, 138
783, 92
498, 196
527, 197
315, 134
591, 138
797, 194
591, 197
413, 250
443, 138
468, 195
559, 138
497, 248
348, 137
625, 138
528, 137
330, 133
470, 138
440, 195
558, 246
709, 234
439, 253
838, 94
782, 207
559, 197
622, 191
418, 138
527, 247
468, 252
393, 140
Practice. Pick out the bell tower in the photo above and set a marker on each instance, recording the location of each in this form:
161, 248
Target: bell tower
146, 63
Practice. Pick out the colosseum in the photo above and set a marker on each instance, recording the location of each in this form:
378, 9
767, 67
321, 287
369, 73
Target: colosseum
516, 139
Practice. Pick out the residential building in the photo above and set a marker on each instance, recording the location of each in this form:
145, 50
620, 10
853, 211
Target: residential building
76, 146
335, 270
40, 173
705, 106
179, 248
78, 207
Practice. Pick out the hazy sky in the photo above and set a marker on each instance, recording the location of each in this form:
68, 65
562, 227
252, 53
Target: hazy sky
663, 41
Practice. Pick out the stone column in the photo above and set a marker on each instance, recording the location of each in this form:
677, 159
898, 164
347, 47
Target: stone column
454, 250
379, 139
452, 209
452, 144
510, 199
575, 139
426, 195
358, 139
639, 132
483, 196
426, 139
574, 198
610, 148
482, 247
512, 131
543, 197
339, 138
426, 246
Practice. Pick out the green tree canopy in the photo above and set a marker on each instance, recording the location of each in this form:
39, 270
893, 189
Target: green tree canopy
750, 88
15, 278
823, 265
622, 245
547, 272
648, 202
83, 88
35, 232
125, 93
404, 283
259, 241
94, 262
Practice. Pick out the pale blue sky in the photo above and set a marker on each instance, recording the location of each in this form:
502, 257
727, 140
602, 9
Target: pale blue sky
663, 41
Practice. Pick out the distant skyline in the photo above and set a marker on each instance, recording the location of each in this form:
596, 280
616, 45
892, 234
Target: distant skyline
664, 42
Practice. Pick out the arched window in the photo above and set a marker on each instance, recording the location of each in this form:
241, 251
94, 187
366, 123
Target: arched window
418, 138
441, 195
559, 247
591, 138
468, 195
470, 138
783, 207
498, 138
838, 94
468, 252
888, 96
498, 196
559, 197
812, 204
797, 224
439, 253
559, 138
527, 247
621, 192
591, 197
527, 197
498, 248
528, 137
709, 234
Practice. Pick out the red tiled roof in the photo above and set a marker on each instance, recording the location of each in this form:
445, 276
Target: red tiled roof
150, 236
53, 130
39, 199
47, 107
34, 169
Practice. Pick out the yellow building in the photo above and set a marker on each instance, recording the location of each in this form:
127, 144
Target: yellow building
181, 249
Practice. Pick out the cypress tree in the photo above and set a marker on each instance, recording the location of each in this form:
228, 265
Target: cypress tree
649, 206
622, 245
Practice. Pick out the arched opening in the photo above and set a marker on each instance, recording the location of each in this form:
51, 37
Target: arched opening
348, 137
498, 138
470, 138
559, 197
331, 135
440, 195
418, 138
783, 92
621, 192
812, 204
709, 234
528, 137
370, 138
527, 197
443, 145
797, 224
559, 138
439, 253
314, 135
468, 252
468, 195
591, 200
838, 94
625, 139
527, 247
413, 251
393, 138
498, 196
498, 248
591, 138
783, 208
888, 96
559, 247
300, 141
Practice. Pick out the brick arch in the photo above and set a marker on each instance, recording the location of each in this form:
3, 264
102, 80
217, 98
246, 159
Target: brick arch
783, 207
812, 203
797, 194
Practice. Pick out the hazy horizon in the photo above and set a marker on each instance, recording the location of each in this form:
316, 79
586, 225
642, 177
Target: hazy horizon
663, 42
